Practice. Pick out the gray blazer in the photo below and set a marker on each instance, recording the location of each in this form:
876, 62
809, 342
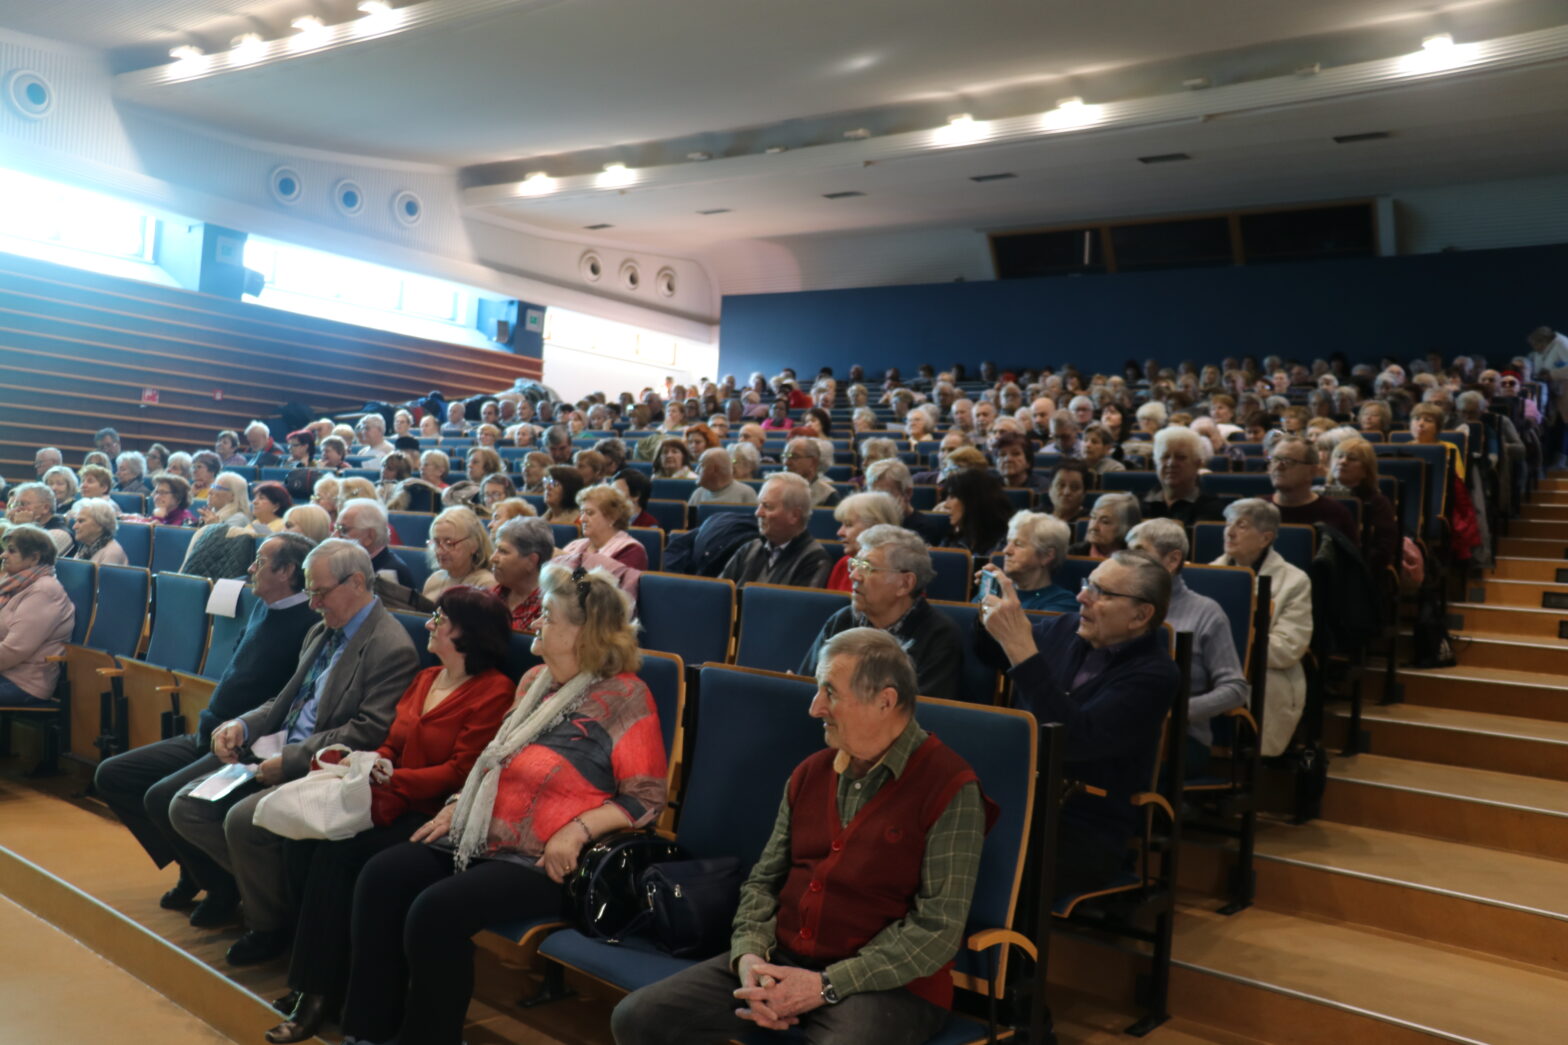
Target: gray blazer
361, 694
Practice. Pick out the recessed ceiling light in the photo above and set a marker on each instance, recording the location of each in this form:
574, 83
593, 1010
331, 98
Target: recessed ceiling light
185, 53
715, 210
246, 47
596, 228
774, 150
1366, 136
1437, 42
1165, 157
616, 174
374, 8
308, 25
698, 157
992, 177
536, 183
858, 134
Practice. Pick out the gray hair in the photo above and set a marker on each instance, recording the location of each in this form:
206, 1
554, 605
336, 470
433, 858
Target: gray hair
748, 451
46, 494
1471, 402
1261, 515
874, 507
1179, 436
374, 420
864, 413
1125, 505
1080, 400
794, 490
71, 481
100, 510
1151, 582
1045, 533
1160, 536
342, 559
1153, 409
528, 535
376, 520
134, 457
895, 471
814, 448
878, 449
294, 548
906, 552
880, 663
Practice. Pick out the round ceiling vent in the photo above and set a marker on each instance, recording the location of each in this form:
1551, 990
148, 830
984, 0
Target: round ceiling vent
591, 266
664, 282
29, 94
407, 208
348, 197
631, 278
286, 185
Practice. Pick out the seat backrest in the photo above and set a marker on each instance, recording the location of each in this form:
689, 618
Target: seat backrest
414, 624
564, 533
665, 676
179, 627
673, 489
1208, 541
1138, 483
136, 539
120, 608
1022, 497
130, 503
79, 578
1295, 544
691, 617
413, 528
1073, 571
519, 654
169, 544
671, 514
226, 632
652, 540
1242, 484
1409, 476
822, 524
707, 511
752, 726
778, 623
976, 678
1232, 588
417, 561
954, 574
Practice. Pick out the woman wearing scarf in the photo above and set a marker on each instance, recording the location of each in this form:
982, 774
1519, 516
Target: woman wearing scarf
36, 617
579, 756
604, 516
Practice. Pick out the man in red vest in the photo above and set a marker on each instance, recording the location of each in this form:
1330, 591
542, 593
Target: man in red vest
853, 914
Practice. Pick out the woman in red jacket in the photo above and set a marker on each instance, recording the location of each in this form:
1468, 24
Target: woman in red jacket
445, 719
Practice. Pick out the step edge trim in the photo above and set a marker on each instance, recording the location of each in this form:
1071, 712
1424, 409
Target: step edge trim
1485, 901
1368, 715
1560, 814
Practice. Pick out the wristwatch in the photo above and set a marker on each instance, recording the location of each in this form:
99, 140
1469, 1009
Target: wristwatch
829, 995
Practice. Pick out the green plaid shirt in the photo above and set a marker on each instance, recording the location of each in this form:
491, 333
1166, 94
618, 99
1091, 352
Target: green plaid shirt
922, 941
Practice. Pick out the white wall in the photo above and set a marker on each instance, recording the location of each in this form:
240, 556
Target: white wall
1520, 212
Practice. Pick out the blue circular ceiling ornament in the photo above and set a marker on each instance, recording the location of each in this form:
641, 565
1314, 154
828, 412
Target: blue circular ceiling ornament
28, 94
286, 185
348, 197
407, 208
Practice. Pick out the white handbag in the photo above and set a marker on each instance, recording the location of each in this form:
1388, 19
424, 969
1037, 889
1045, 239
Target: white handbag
331, 802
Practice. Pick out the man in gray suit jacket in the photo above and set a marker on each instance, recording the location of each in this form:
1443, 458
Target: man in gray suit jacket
353, 669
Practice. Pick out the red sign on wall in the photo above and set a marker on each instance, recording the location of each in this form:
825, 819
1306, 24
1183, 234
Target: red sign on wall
149, 397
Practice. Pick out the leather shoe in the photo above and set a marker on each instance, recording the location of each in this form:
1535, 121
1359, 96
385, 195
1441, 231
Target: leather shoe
257, 946
308, 1016
286, 1004
215, 912
181, 897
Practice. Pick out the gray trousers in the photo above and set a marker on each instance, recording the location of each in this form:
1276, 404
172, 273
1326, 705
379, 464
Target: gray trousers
253, 855
697, 1006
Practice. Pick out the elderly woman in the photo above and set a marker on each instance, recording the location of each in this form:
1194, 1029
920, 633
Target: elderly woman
920, 426
523, 547
495, 488
604, 514
36, 618
179, 464
228, 502
433, 466
157, 458
594, 466
95, 521
856, 514
269, 503
487, 435
63, 483
1070, 486
171, 500
673, 460
745, 460
1036, 546
562, 484
334, 454
536, 465
1250, 528
309, 519
503, 512
1353, 468
130, 473
1113, 515
977, 510
444, 720
459, 550
864, 419
223, 546
526, 812
327, 494
483, 461
1375, 418
205, 467
227, 447
1098, 446
96, 481
1014, 456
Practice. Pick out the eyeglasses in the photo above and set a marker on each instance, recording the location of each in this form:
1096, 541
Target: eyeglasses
317, 594
343, 529
1096, 593
446, 544
1286, 462
866, 566
437, 618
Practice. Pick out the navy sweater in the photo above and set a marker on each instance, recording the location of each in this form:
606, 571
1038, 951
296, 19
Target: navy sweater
263, 662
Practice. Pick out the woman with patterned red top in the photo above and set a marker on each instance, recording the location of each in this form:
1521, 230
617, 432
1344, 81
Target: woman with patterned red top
579, 756
445, 719
522, 547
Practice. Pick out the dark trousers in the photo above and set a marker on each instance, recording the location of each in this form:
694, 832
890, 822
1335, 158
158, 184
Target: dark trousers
139, 785
697, 1005
413, 967
324, 874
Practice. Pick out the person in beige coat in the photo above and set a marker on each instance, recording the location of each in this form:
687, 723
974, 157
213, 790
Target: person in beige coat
1250, 528
36, 617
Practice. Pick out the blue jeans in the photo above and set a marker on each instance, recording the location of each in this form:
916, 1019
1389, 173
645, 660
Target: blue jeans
14, 696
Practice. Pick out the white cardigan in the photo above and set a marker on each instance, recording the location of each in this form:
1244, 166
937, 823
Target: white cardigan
1290, 636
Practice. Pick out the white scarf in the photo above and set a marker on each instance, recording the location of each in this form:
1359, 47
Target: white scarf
530, 719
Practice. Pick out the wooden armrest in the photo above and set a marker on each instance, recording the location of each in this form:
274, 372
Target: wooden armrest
987, 938
57, 658
1147, 798
167, 689
111, 673
1246, 716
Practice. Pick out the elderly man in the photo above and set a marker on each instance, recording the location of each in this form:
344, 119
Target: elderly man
1066, 435
34, 503
372, 432
891, 476
1106, 674
346, 685
1178, 454
794, 950
45, 459
139, 785
1082, 409
263, 452
803, 456
1040, 412
716, 483
889, 583
985, 415
784, 553
1218, 682
1293, 464
363, 520
558, 443
963, 414
455, 425
107, 440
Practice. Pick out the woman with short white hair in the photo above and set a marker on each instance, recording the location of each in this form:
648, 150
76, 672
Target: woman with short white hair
856, 514
94, 521
1036, 545
1112, 516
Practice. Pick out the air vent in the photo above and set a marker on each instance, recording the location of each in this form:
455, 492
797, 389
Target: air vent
992, 177
1165, 157
715, 210
840, 195
1369, 136
596, 228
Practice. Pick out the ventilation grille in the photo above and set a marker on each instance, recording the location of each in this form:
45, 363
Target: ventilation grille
840, 195
991, 177
1165, 157
1369, 136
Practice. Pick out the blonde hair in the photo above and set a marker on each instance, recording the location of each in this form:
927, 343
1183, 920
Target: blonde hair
355, 486
607, 645
470, 526
311, 520
1359, 449
435, 455
873, 507
609, 502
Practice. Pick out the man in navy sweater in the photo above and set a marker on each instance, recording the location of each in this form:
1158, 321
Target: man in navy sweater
139, 785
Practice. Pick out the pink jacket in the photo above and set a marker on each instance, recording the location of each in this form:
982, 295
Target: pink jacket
34, 625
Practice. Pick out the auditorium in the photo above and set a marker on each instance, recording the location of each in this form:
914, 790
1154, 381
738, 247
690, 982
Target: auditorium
586, 522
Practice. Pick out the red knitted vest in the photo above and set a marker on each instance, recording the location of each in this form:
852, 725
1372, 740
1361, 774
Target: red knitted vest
845, 886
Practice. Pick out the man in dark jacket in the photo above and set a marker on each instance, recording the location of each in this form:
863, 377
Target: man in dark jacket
890, 578
784, 553
1107, 675
138, 785
1178, 456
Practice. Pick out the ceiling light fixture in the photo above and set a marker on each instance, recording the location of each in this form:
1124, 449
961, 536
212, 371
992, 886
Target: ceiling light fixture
616, 174
1071, 112
1439, 53
186, 53
858, 134
1437, 42
536, 183
774, 150
698, 157
961, 129
246, 48
310, 30
374, 8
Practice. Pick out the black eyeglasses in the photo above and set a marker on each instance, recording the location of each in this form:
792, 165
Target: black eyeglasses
1096, 593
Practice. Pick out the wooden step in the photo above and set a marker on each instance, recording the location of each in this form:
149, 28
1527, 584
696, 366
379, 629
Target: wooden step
1547, 571
1500, 691
1358, 985
1532, 547
1530, 593
1503, 904
1521, 621
1479, 649
1479, 807
1556, 530
1480, 740
1544, 511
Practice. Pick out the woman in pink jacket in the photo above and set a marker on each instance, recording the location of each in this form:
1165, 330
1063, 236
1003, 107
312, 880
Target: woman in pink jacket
36, 617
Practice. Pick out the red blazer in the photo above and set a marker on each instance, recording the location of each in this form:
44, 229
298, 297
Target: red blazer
433, 753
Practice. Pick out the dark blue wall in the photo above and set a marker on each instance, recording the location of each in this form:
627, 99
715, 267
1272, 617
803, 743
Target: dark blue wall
1480, 301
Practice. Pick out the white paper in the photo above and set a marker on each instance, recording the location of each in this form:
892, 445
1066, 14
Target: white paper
269, 745
387, 575
223, 781
225, 598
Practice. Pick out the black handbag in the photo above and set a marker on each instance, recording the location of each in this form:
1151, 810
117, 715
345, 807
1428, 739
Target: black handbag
604, 894
691, 905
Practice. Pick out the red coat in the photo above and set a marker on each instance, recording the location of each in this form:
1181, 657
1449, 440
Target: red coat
433, 753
